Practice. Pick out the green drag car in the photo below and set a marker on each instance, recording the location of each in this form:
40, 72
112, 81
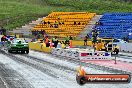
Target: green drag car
18, 46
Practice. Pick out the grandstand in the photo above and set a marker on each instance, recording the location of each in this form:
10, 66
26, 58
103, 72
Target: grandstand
115, 25
64, 24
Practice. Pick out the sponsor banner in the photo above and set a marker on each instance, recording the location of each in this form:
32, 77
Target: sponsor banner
63, 52
104, 78
82, 55
55, 51
69, 53
95, 55
75, 54
72, 54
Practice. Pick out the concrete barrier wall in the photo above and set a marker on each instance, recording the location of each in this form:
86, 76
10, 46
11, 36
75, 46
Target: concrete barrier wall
39, 47
82, 54
69, 53
76, 53
126, 47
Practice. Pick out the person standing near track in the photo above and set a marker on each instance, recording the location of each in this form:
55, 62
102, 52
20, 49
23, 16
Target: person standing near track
55, 41
47, 41
85, 40
67, 40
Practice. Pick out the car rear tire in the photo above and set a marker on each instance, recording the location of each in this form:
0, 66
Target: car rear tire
27, 51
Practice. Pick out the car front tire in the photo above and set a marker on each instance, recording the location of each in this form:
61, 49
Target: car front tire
80, 80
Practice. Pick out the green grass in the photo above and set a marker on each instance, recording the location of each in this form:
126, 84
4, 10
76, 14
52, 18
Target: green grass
20, 12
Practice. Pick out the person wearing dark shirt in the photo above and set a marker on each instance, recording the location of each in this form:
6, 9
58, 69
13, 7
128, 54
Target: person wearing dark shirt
63, 23
55, 25
44, 22
55, 41
67, 40
79, 23
48, 22
74, 23
85, 40
70, 38
51, 25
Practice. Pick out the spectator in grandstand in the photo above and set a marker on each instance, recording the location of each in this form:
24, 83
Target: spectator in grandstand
44, 22
74, 23
48, 22
58, 17
85, 40
63, 23
59, 23
51, 25
55, 25
79, 23
67, 40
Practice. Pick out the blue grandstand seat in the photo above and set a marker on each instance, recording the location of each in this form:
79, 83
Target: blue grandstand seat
116, 25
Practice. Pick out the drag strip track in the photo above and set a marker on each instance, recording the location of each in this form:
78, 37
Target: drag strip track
37, 63
12, 78
52, 71
41, 73
28, 63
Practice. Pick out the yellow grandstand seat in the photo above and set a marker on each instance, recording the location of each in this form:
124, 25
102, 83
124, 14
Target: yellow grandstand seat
65, 21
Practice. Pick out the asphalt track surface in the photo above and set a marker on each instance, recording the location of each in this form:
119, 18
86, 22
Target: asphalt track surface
11, 78
2, 85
